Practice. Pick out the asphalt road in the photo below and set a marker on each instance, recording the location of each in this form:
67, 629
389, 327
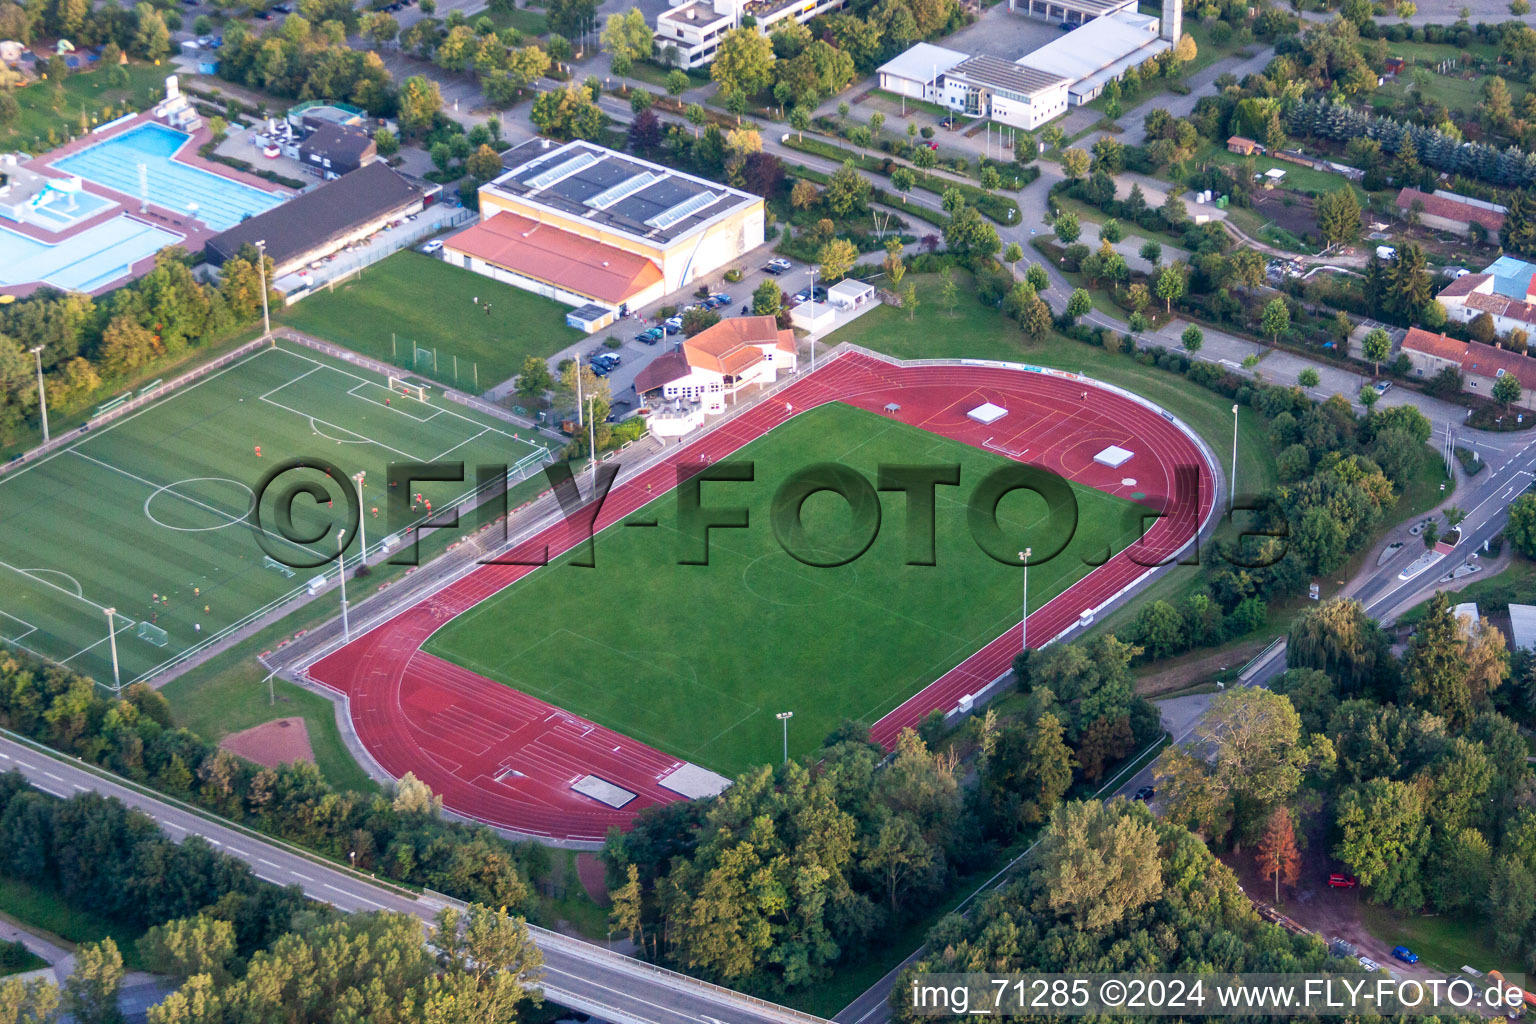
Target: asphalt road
576, 974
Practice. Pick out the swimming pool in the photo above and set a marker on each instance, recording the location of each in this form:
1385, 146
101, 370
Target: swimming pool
60, 210
83, 262
221, 202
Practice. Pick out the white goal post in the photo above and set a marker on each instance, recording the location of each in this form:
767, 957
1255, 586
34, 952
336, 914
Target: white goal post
410, 389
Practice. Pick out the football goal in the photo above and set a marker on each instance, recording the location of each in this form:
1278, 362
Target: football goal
408, 388
152, 633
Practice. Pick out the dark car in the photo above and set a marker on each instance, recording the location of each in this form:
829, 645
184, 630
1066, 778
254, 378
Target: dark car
720, 299
806, 294
651, 335
1145, 794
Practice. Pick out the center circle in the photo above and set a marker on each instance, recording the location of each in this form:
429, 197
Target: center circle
200, 509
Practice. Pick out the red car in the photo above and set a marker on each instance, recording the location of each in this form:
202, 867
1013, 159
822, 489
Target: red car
1342, 881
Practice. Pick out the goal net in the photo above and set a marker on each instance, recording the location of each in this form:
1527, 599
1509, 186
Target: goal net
410, 389
153, 633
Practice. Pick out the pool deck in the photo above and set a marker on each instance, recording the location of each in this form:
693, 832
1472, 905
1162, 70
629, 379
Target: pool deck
194, 232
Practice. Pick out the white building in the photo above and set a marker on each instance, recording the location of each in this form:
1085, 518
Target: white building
1070, 12
918, 72
1101, 51
714, 365
1010, 94
694, 27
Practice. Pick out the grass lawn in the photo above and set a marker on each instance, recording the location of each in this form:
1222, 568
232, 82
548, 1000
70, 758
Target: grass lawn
528, 22
153, 514
1444, 942
87, 92
1297, 177
697, 659
410, 298
41, 910
24, 960
1207, 53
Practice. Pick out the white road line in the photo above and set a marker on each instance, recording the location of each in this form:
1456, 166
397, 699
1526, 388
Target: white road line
215, 842
355, 896
6, 756
269, 863
26, 766
56, 778
79, 787
237, 851
297, 874
50, 792
179, 828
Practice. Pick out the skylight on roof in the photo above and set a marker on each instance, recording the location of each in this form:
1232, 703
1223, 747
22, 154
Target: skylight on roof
564, 169
687, 208
623, 190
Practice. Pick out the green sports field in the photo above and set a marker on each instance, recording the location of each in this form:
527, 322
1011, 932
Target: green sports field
422, 313
696, 660
152, 514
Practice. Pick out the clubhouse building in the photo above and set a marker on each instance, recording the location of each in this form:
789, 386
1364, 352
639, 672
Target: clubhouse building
711, 368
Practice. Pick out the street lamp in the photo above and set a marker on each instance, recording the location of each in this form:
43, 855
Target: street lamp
117, 679
1024, 622
785, 716
341, 564
813, 319
42, 395
591, 443
362, 520
261, 262
1232, 480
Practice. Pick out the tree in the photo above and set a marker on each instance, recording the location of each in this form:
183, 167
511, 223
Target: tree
1074, 163
909, 299
698, 319
90, 993
568, 113
1169, 285
1376, 346
836, 258
535, 378
625, 913
1338, 216
744, 62
1278, 857
1036, 319
1308, 378
847, 192
420, 102
696, 116
767, 299
1521, 528
1193, 338
645, 131
677, 82
1110, 231
1037, 277
949, 292
1011, 256
893, 265
571, 17
969, 236
189, 946
1276, 319
1383, 838
413, 796
1506, 391
1152, 253
1078, 303
483, 164
1098, 863
1067, 227
902, 180
628, 35
900, 853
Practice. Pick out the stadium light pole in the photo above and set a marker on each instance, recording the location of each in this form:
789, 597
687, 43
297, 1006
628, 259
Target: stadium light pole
1024, 622
261, 262
42, 395
785, 716
117, 679
341, 564
813, 318
362, 520
1232, 480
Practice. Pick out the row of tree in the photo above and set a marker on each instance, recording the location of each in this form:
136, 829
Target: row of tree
91, 346
399, 835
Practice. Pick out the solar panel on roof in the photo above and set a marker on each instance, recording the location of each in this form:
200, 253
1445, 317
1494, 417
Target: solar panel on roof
564, 169
666, 218
628, 187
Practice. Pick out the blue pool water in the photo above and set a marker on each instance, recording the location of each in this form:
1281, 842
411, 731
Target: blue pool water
82, 262
60, 211
221, 202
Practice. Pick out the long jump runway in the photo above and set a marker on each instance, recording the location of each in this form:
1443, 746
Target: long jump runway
510, 760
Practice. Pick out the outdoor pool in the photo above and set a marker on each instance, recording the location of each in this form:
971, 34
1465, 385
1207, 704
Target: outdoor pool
83, 262
221, 202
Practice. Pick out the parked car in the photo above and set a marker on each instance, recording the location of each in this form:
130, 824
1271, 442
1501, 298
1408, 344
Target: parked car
651, 335
672, 325
1382, 386
720, 299
949, 122
1145, 794
807, 295
777, 266
1339, 881
1369, 964
432, 248
1405, 954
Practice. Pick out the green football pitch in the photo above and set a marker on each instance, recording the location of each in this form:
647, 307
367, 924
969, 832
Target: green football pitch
151, 515
696, 660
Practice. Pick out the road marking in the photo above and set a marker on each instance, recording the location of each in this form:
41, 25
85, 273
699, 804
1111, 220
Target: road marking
179, 828
297, 874
273, 881
215, 842
355, 896
238, 852
26, 766
50, 792
5, 755
269, 863
79, 787
56, 778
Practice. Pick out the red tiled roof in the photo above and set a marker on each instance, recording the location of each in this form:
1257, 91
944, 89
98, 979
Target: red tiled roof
1451, 209
730, 346
1463, 286
660, 372
1487, 361
1437, 345
561, 258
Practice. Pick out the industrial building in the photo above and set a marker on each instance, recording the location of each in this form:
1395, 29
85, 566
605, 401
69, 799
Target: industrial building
1070, 12
585, 225
1041, 85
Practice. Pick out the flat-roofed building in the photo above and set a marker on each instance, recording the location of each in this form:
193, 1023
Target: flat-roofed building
581, 224
1008, 93
918, 72
1099, 52
693, 28
1070, 12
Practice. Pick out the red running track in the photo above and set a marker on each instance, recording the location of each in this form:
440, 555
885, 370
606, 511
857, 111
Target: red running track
508, 759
